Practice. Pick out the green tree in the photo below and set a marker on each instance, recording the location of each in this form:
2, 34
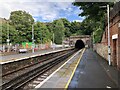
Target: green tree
42, 34
93, 10
67, 26
22, 21
75, 27
59, 31
50, 26
95, 17
97, 35
8, 30
88, 26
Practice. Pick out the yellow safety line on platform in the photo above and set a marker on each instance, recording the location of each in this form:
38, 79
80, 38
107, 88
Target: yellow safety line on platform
66, 86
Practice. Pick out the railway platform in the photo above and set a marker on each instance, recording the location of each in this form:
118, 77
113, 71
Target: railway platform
60, 77
17, 57
94, 72
85, 69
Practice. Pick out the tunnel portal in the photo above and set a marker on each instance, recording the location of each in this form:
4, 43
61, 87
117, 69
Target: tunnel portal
79, 44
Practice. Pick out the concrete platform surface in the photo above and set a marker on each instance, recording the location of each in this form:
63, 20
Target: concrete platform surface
12, 58
94, 72
62, 75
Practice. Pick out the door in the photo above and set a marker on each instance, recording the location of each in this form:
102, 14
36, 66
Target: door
114, 52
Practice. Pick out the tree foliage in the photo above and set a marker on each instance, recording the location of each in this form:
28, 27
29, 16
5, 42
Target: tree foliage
67, 26
75, 28
22, 21
93, 10
95, 17
41, 32
20, 28
59, 31
6, 30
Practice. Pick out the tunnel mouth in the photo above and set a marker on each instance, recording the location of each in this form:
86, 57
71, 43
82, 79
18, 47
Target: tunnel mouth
79, 44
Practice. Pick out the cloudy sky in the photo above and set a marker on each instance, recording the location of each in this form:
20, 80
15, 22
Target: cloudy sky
41, 10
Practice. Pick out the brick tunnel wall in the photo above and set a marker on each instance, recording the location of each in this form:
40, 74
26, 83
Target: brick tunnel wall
102, 48
85, 38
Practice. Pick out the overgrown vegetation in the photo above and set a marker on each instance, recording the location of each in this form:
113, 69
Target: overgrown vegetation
20, 28
20, 25
95, 18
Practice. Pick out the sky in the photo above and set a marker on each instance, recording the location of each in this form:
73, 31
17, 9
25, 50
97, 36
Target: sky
42, 11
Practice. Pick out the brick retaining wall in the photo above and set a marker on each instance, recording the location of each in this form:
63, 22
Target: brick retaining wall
114, 38
102, 50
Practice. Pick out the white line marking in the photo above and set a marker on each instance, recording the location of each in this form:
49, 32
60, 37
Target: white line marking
18, 59
39, 85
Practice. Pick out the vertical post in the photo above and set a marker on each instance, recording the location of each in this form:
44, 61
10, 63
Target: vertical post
8, 38
33, 38
53, 41
1, 53
93, 41
109, 52
1, 37
93, 37
41, 39
63, 46
53, 38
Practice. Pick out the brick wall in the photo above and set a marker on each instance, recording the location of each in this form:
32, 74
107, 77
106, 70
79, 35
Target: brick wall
101, 48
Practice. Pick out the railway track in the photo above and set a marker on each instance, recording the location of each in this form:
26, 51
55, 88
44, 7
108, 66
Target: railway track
25, 68
28, 75
12, 67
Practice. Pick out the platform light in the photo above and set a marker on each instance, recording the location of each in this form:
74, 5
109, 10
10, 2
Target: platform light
108, 16
8, 36
33, 38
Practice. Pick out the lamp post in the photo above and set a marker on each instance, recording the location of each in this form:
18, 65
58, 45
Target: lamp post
109, 51
33, 38
53, 37
8, 38
53, 41
93, 37
93, 40
41, 40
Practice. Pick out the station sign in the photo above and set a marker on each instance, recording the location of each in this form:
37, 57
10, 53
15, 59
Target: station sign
119, 25
115, 36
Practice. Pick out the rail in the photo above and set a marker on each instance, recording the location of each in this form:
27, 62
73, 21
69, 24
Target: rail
22, 79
